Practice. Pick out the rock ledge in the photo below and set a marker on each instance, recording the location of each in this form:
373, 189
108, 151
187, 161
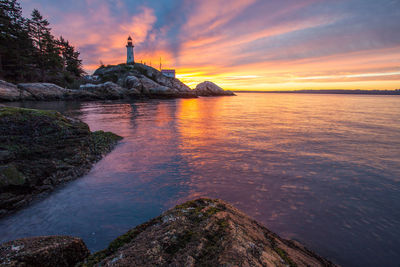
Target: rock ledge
203, 232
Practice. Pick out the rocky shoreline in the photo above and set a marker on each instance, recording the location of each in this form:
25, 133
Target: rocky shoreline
202, 232
40, 150
134, 81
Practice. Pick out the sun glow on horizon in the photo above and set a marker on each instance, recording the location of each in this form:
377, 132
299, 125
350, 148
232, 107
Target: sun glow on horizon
241, 44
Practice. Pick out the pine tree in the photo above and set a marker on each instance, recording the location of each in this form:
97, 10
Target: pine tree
29, 52
14, 41
72, 63
39, 32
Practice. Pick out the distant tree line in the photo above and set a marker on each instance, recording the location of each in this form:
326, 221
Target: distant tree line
30, 53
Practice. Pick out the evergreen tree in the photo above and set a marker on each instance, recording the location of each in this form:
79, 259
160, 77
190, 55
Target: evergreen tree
39, 32
29, 52
71, 60
14, 41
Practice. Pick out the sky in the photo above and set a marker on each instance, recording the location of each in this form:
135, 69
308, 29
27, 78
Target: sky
240, 44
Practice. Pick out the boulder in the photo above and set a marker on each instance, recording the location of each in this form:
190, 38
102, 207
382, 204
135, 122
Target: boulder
91, 79
78, 94
42, 91
203, 232
132, 82
152, 89
147, 85
42, 149
108, 90
43, 251
9, 92
161, 79
162, 90
211, 89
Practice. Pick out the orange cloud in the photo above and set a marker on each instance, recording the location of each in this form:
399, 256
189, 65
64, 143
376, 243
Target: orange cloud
242, 44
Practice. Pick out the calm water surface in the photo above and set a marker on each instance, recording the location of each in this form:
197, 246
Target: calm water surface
321, 169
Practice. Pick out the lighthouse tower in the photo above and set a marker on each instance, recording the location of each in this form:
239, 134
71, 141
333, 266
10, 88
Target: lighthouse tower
129, 50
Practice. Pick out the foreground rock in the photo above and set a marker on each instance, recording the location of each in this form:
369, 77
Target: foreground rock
203, 232
211, 89
43, 251
42, 149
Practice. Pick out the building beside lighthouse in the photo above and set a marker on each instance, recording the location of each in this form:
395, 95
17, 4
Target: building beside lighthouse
130, 59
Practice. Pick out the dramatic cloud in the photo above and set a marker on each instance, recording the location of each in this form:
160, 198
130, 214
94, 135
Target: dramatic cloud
241, 44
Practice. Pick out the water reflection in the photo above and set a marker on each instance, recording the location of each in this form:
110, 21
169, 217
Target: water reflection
321, 169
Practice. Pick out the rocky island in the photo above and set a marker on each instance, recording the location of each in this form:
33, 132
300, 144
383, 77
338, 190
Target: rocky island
202, 232
123, 81
42, 149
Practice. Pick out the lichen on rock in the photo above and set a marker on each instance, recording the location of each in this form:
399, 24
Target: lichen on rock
203, 232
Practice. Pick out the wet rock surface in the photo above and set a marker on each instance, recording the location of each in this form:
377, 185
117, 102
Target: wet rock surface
42, 149
203, 232
61, 251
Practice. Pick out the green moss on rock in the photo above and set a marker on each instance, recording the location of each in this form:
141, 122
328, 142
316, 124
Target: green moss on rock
45, 148
10, 176
119, 242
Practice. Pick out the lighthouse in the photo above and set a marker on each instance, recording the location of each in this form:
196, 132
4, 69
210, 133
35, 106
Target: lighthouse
129, 50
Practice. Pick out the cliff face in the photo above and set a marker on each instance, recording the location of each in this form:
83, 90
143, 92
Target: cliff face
203, 232
41, 149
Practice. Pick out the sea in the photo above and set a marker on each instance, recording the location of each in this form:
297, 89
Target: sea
323, 170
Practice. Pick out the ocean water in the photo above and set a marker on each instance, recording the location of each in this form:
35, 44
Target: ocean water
320, 169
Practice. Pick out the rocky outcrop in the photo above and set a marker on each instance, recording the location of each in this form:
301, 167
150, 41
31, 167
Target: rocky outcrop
112, 82
42, 149
41, 91
144, 81
211, 89
61, 251
107, 90
203, 232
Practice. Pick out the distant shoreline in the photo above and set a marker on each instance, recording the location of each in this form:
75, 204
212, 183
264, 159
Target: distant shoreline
341, 92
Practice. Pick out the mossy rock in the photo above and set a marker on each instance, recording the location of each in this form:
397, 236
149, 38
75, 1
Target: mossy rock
223, 237
42, 149
10, 176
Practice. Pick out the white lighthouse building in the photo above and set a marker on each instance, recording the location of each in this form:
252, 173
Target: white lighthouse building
129, 50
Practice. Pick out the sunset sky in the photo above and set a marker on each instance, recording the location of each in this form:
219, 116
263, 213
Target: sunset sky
240, 44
